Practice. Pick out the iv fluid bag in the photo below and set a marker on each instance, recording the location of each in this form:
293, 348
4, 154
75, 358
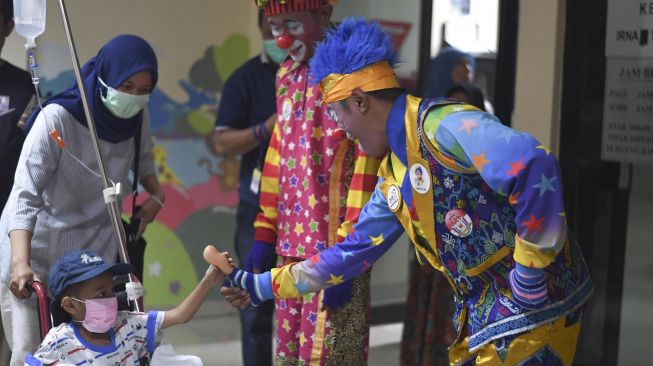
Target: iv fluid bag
29, 17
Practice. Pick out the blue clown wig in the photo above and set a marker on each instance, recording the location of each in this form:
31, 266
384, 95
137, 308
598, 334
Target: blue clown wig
353, 45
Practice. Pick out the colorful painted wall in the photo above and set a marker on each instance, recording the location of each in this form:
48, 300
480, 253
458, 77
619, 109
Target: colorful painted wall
199, 44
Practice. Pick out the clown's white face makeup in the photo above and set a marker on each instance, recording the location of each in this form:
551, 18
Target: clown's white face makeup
297, 51
333, 115
304, 28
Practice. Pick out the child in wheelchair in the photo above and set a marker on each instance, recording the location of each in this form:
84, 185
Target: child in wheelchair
81, 284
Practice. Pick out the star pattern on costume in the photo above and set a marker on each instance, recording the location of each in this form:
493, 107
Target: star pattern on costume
317, 158
335, 280
344, 254
297, 96
286, 325
298, 208
302, 339
545, 184
320, 245
533, 224
516, 167
313, 226
468, 125
292, 163
312, 317
507, 134
299, 228
480, 161
293, 181
312, 201
376, 240
317, 133
309, 114
546, 149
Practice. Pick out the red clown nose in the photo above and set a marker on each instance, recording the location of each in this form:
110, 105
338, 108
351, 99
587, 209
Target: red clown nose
284, 42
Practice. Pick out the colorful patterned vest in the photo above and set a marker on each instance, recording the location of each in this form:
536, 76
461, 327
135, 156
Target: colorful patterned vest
467, 231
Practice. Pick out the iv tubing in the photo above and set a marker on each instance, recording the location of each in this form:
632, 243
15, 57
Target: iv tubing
114, 211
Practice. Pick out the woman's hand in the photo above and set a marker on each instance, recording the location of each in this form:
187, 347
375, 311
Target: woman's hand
21, 279
148, 211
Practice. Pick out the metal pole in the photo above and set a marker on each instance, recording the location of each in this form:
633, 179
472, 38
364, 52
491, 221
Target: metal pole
112, 206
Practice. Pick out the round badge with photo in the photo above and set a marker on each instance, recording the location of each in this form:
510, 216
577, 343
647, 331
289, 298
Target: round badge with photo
286, 109
419, 178
459, 223
394, 198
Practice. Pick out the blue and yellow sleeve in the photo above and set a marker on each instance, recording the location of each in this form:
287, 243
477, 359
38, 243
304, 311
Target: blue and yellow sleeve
376, 231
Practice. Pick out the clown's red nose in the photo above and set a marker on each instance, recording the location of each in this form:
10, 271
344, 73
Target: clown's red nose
284, 42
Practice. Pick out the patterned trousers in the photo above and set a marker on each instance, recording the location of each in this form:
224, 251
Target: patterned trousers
309, 335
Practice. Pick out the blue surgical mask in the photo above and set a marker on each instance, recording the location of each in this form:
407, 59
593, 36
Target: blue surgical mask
123, 105
276, 54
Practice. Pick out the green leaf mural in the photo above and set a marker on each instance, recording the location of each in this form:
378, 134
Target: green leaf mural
201, 121
169, 271
233, 53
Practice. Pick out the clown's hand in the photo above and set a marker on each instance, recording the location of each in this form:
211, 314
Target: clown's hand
258, 286
236, 297
338, 295
529, 287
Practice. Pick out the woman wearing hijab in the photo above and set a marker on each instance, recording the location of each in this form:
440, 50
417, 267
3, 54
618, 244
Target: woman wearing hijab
56, 204
428, 329
451, 66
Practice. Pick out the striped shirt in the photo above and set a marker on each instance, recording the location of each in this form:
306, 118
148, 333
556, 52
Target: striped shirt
59, 200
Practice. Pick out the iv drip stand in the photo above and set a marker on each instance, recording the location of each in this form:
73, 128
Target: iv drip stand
112, 205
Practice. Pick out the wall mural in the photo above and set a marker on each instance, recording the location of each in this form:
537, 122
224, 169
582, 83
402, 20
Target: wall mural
200, 187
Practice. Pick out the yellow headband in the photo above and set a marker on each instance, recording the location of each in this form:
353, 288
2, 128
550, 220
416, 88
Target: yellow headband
336, 87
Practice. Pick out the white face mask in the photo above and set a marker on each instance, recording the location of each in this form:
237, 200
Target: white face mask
123, 105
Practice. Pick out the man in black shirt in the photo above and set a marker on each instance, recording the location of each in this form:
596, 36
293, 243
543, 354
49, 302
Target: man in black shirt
16, 90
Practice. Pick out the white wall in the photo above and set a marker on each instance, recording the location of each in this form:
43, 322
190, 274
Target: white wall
392, 10
538, 85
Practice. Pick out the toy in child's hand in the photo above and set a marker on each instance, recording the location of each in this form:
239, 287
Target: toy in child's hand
213, 256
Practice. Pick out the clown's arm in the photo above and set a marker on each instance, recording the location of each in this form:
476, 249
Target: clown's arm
518, 167
376, 231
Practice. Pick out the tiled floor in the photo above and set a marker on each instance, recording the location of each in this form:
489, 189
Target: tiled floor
214, 336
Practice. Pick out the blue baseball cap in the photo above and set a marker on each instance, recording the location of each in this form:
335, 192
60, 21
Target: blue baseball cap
76, 267
79, 266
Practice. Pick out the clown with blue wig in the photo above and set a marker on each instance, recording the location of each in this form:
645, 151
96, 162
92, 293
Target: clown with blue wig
481, 203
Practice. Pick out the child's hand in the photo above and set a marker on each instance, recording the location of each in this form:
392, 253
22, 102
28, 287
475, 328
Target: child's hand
214, 275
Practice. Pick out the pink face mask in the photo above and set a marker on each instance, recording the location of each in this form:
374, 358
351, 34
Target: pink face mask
100, 315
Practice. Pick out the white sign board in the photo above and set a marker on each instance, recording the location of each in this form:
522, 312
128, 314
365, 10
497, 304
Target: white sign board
629, 29
628, 111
